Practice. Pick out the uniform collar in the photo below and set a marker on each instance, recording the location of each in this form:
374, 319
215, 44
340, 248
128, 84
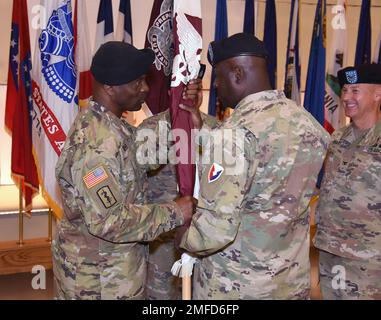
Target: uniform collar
269, 96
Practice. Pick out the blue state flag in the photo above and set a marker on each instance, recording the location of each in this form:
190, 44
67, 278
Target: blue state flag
221, 32
364, 35
315, 85
249, 20
105, 24
270, 40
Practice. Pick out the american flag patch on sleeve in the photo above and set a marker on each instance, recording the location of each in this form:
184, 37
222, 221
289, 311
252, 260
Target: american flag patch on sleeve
95, 177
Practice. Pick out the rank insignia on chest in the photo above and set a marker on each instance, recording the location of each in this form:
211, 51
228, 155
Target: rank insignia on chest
95, 177
215, 172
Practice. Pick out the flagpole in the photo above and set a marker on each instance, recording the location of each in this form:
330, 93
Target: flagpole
21, 217
187, 288
50, 219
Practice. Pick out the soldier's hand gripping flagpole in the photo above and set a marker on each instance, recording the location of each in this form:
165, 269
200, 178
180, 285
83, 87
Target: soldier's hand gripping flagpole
187, 40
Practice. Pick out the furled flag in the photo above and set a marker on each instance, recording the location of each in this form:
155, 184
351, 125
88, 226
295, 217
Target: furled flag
249, 21
187, 31
364, 35
334, 114
220, 32
314, 95
19, 107
292, 73
270, 40
160, 39
105, 24
82, 53
54, 84
124, 27
377, 51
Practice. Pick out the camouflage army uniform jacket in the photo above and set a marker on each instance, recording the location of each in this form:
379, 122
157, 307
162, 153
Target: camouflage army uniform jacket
348, 214
98, 251
253, 227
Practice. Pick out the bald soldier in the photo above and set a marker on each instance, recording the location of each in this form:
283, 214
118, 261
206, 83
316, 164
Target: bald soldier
251, 227
99, 251
348, 214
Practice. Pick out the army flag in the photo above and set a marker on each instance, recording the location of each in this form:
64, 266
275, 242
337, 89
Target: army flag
159, 38
82, 53
221, 32
315, 84
187, 36
124, 27
105, 24
364, 35
292, 73
54, 97
249, 21
377, 51
270, 40
333, 113
18, 108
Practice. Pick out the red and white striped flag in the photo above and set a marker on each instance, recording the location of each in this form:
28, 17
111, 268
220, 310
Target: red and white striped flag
54, 94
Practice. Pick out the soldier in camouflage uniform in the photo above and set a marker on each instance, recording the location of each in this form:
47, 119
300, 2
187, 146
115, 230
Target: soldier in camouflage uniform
161, 187
251, 228
98, 251
348, 214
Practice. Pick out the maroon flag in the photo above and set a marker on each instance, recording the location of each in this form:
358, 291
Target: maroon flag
187, 31
160, 40
19, 109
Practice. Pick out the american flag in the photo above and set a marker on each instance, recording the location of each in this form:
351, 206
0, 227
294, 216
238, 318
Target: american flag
94, 177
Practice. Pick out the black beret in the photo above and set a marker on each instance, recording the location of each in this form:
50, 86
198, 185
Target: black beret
365, 73
240, 44
116, 63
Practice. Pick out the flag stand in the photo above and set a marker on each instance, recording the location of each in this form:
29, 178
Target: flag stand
21, 217
50, 223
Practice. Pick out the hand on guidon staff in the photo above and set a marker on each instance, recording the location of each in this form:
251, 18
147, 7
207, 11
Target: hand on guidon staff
193, 92
187, 221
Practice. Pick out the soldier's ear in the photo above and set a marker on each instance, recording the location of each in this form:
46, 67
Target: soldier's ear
109, 90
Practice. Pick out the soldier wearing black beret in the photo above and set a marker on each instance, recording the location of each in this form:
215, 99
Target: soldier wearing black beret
99, 251
251, 225
349, 210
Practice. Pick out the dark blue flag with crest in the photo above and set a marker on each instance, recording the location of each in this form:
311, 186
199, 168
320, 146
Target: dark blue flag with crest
221, 32
249, 20
270, 40
364, 35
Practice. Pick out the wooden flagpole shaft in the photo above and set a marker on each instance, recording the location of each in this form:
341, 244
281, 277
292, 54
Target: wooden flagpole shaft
21, 217
187, 291
50, 218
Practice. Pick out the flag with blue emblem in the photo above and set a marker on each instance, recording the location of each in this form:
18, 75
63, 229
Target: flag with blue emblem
82, 53
105, 24
292, 73
124, 27
221, 32
333, 112
364, 35
18, 109
315, 85
249, 21
54, 94
270, 40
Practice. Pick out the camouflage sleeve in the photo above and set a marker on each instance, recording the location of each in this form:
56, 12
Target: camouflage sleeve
223, 187
152, 141
107, 205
